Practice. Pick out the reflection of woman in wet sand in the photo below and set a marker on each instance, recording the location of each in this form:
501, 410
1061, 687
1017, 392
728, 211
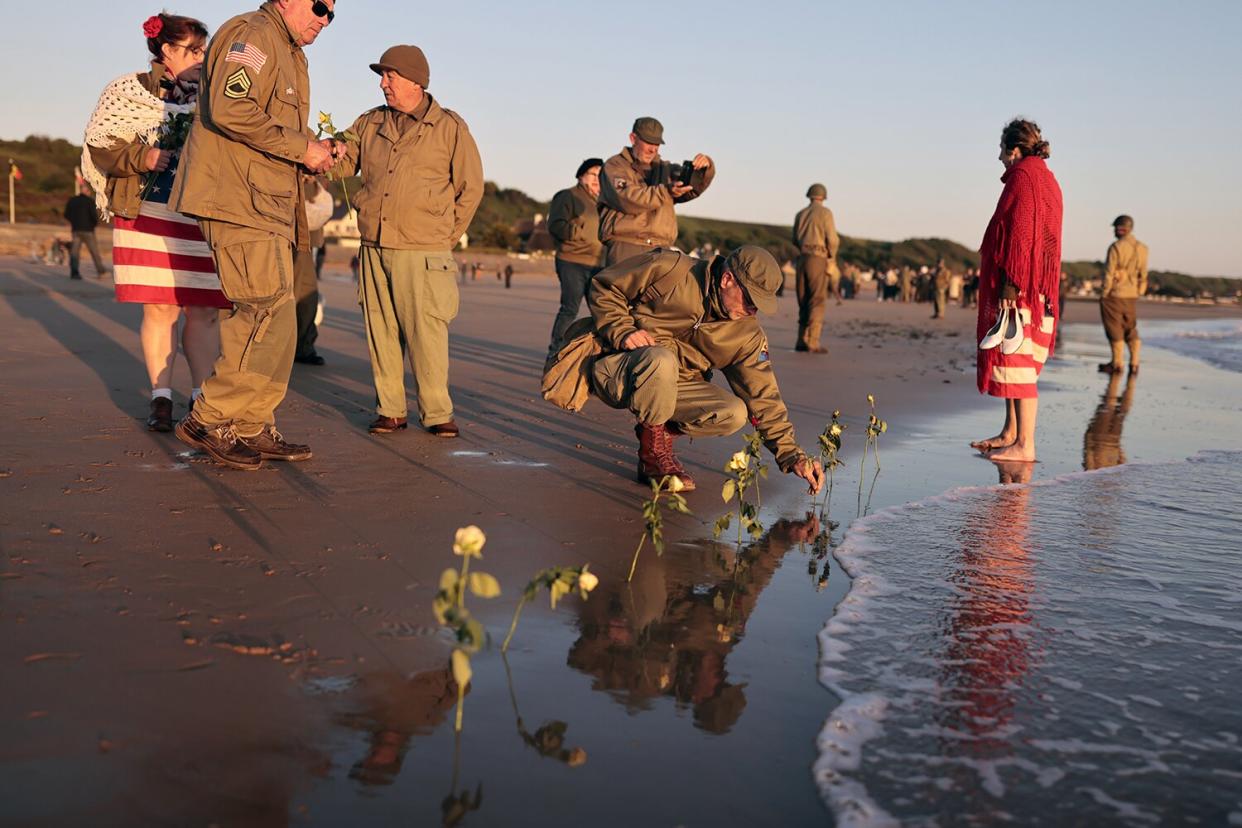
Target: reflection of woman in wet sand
1020, 271
668, 634
394, 708
987, 631
1101, 445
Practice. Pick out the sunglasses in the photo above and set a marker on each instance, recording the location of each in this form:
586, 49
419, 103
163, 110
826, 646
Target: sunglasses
320, 9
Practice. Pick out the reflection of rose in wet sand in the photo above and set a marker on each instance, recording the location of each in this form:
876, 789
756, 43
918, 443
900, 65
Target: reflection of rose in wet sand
670, 630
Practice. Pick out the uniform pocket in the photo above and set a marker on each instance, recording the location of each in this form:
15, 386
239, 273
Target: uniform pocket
271, 192
441, 287
255, 272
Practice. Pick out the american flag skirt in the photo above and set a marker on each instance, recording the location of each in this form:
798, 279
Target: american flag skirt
161, 257
1013, 376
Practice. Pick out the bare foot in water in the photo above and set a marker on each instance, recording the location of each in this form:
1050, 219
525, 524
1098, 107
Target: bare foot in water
999, 441
1015, 453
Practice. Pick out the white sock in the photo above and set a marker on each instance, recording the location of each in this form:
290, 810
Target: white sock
161, 392
195, 393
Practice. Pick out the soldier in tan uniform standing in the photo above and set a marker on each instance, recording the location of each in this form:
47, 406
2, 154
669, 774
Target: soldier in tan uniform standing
573, 221
1125, 280
636, 215
240, 177
666, 321
422, 180
815, 236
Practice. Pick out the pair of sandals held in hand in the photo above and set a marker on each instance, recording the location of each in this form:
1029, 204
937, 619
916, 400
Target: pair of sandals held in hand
1005, 334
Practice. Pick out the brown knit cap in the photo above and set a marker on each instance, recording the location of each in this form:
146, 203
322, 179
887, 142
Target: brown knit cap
407, 61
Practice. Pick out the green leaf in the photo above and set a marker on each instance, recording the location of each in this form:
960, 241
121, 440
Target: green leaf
448, 580
474, 636
558, 590
484, 585
729, 489
440, 606
461, 669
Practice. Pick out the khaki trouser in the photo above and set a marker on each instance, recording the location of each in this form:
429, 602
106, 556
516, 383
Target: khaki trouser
647, 381
306, 300
812, 288
408, 299
257, 339
619, 251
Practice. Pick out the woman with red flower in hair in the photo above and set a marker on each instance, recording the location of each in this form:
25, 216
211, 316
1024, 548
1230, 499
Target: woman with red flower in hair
160, 259
1019, 275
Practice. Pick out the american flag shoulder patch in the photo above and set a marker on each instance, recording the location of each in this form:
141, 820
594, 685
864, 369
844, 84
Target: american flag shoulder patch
246, 54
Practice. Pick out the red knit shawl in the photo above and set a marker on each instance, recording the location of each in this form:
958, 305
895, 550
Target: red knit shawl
1023, 241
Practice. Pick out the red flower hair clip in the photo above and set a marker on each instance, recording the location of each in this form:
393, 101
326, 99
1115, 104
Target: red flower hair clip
153, 26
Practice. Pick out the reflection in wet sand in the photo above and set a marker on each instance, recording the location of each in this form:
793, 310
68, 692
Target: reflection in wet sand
669, 632
1101, 444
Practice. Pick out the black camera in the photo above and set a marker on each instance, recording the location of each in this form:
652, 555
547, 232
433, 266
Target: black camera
668, 174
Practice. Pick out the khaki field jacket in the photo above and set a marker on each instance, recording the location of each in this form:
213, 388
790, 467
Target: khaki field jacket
1125, 269
815, 232
631, 210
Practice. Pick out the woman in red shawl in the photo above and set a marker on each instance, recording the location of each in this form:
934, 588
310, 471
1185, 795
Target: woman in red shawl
1020, 269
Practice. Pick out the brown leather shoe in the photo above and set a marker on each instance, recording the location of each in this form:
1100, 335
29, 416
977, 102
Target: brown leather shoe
220, 443
656, 459
272, 446
387, 425
160, 418
448, 429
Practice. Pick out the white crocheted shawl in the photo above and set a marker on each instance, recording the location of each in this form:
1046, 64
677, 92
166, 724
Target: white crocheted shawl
126, 110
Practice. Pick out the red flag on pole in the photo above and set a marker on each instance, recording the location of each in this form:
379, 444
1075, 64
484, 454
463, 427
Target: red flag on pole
15, 172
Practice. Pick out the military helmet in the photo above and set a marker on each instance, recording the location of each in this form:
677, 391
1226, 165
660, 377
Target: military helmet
1123, 221
817, 191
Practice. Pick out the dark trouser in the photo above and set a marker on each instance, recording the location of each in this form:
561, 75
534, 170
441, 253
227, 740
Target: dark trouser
574, 279
619, 251
85, 237
306, 296
812, 296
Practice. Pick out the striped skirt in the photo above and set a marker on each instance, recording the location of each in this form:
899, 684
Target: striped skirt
161, 257
1013, 376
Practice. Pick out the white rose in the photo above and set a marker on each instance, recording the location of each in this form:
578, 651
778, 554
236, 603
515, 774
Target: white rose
469, 541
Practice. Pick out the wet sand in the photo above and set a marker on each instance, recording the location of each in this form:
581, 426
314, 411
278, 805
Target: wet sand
182, 644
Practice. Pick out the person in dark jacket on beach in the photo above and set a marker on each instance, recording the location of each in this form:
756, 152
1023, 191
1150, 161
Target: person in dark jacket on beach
82, 217
573, 221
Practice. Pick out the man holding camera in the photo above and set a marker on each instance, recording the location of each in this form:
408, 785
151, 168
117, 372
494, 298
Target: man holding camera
815, 236
666, 321
638, 190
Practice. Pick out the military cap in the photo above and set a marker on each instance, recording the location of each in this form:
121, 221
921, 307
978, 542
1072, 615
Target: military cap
759, 273
1123, 221
588, 164
817, 191
649, 129
407, 61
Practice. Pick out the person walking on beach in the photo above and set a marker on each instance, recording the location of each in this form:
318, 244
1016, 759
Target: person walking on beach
573, 221
1020, 267
422, 180
162, 260
815, 236
636, 213
241, 178
82, 217
940, 286
665, 320
1125, 280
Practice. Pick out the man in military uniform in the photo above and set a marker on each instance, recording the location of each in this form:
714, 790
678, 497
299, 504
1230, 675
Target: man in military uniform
1125, 280
240, 177
940, 285
666, 321
815, 236
635, 214
422, 180
573, 221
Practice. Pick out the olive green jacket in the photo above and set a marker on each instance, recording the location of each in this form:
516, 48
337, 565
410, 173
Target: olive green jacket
673, 297
573, 221
815, 232
1125, 270
631, 210
421, 182
124, 163
241, 162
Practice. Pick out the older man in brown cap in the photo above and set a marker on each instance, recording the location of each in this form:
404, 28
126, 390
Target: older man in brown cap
666, 321
1125, 280
422, 180
637, 194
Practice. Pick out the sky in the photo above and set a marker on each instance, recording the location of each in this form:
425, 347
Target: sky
896, 107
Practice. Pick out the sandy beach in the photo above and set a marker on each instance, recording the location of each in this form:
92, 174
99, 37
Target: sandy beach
182, 644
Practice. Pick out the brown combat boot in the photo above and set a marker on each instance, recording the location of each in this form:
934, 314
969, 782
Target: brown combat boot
656, 458
219, 442
160, 418
272, 446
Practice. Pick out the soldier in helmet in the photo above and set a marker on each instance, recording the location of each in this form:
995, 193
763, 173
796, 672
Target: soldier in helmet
1125, 280
815, 236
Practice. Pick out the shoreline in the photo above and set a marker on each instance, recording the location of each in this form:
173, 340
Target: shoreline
310, 585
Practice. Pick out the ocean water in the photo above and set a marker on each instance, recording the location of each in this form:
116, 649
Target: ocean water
1067, 652
1217, 341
